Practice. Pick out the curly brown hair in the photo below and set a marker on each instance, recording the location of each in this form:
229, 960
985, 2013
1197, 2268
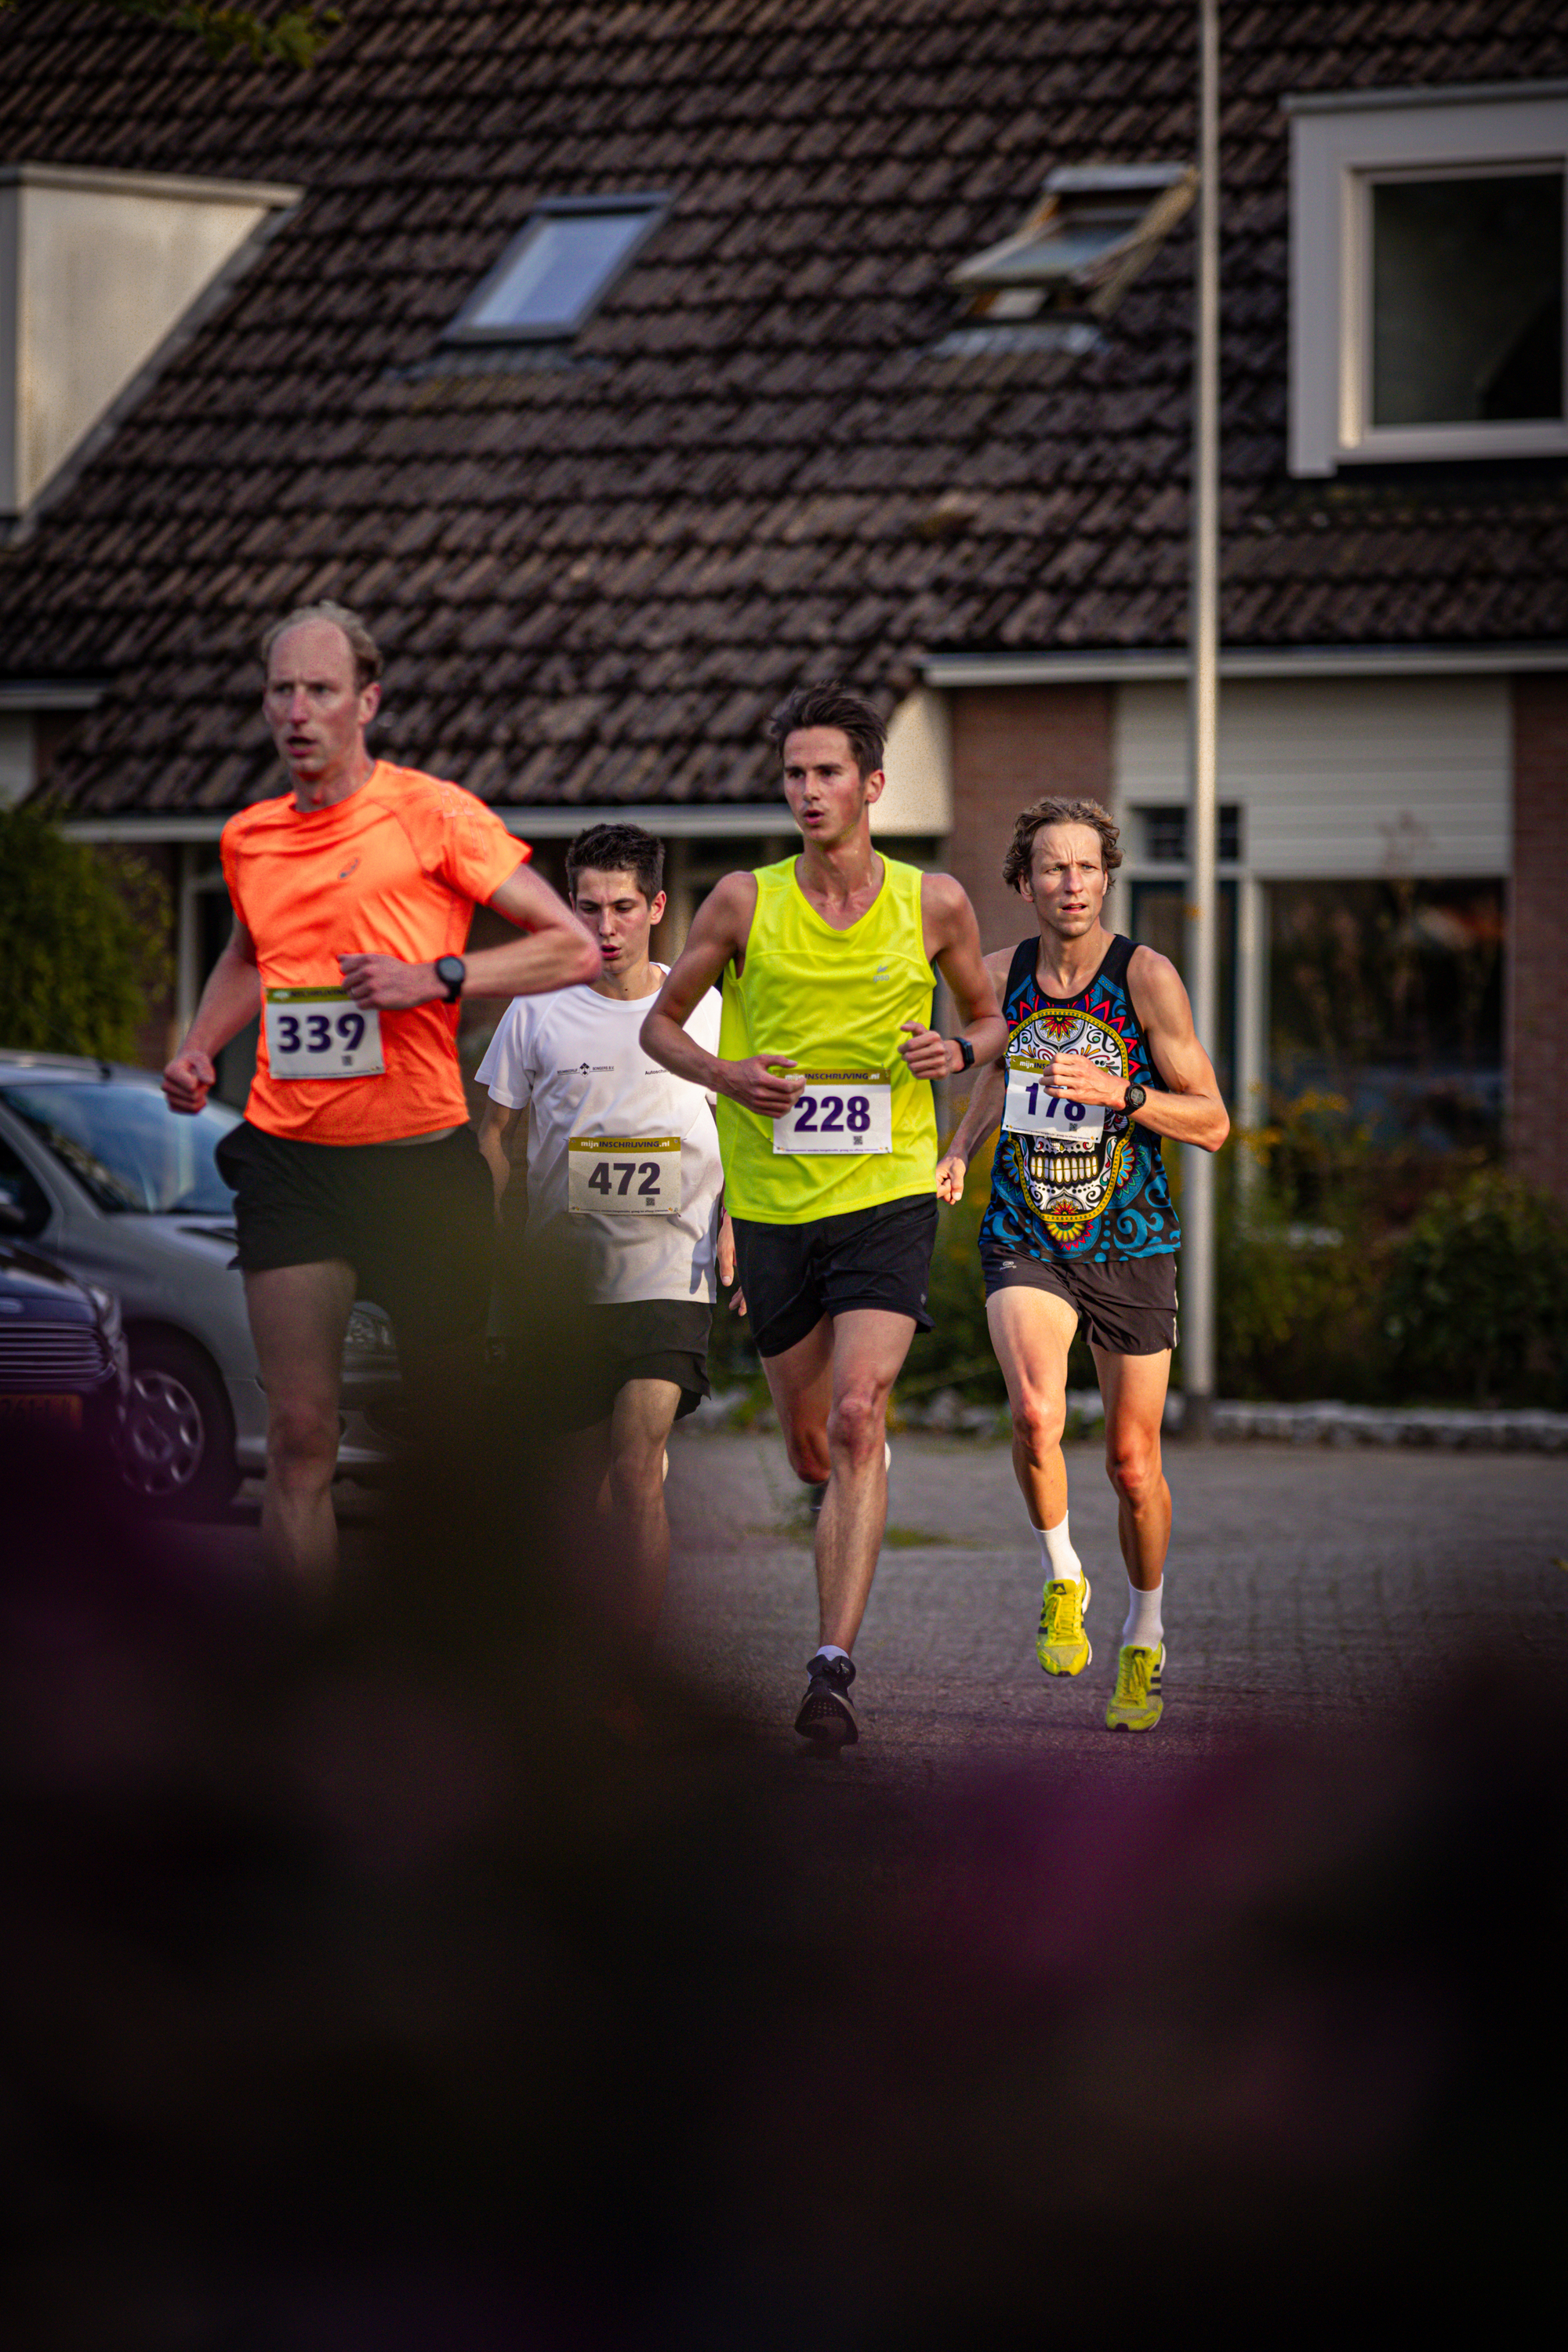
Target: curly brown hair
1054, 810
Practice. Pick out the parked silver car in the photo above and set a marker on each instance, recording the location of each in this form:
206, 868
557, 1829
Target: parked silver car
99, 1174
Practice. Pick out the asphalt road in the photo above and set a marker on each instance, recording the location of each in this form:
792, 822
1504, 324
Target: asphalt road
1307, 1586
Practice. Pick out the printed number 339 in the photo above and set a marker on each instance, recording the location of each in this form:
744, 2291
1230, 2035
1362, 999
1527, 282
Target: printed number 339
320, 1031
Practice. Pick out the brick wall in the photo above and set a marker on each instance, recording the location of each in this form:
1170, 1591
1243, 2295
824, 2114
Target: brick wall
1010, 745
1537, 1015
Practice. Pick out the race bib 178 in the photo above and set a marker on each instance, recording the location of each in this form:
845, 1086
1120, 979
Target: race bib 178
838, 1110
322, 1032
627, 1175
1032, 1109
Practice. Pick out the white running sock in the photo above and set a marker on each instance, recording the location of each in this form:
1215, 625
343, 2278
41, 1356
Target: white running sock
1058, 1558
1144, 1627
831, 1650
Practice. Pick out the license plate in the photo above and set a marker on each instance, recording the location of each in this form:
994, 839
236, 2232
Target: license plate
1032, 1109
838, 1110
322, 1032
66, 1410
623, 1175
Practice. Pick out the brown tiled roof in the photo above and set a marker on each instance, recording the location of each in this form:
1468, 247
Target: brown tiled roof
594, 578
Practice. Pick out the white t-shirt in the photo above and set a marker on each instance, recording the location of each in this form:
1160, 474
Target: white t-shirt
574, 1059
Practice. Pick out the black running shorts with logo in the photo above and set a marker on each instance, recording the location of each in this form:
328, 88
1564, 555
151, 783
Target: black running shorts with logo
415, 1220
793, 1275
1126, 1306
566, 1367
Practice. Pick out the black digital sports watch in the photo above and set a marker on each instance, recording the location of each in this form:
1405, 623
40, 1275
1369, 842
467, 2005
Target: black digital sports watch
451, 971
1134, 1098
967, 1050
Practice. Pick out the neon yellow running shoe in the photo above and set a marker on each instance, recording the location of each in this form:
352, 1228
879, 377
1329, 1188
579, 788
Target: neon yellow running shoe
1135, 1704
1061, 1644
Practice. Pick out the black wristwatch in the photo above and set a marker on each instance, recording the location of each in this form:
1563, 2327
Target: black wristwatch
1134, 1098
967, 1050
451, 971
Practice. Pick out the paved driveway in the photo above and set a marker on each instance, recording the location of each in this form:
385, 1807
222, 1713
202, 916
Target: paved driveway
1306, 1585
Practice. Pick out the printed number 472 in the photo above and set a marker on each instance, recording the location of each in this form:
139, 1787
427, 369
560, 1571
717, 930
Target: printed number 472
601, 1179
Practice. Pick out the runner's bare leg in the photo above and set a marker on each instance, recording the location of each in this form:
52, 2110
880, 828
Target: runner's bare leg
1032, 1331
640, 1430
868, 1348
298, 1314
1133, 1388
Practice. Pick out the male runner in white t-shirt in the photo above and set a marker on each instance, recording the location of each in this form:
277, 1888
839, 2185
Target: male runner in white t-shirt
617, 1257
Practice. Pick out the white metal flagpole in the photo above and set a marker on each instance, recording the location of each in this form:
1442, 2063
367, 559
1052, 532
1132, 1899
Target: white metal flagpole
1202, 896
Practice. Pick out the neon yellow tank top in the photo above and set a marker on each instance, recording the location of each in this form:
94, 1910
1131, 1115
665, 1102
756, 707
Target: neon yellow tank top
829, 1001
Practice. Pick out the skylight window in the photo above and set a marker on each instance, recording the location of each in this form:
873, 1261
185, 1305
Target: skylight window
557, 269
1095, 230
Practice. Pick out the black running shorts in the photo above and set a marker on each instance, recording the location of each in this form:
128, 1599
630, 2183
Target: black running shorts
1126, 1306
415, 1220
566, 1368
793, 1275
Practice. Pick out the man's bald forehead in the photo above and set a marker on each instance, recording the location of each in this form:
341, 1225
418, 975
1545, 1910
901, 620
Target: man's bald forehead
322, 645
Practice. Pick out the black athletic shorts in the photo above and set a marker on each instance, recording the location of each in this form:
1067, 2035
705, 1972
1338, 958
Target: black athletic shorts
793, 1275
415, 1220
1126, 1306
566, 1368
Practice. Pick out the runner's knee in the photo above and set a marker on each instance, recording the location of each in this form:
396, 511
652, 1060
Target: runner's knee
858, 1423
1037, 1424
1132, 1466
302, 1441
805, 1442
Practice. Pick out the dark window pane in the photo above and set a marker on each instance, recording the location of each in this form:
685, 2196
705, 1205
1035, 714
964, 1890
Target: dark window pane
126, 1148
1467, 299
1165, 832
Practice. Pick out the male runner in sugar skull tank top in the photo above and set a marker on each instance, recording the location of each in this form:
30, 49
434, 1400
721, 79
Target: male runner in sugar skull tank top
1102, 1062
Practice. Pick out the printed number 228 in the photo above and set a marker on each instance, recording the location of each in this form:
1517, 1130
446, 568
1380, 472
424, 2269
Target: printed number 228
603, 1170
836, 1115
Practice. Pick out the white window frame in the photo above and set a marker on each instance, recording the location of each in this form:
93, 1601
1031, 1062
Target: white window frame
1341, 145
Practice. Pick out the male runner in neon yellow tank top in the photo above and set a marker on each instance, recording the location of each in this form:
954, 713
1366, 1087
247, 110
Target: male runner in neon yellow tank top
827, 1129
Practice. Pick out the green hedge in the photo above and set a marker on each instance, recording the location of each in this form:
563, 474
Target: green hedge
83, 940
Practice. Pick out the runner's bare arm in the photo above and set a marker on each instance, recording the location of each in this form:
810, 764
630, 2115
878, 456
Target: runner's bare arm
496, 1129
983, 1114
952, 944
231, 998
1192, 1112
718, 936
558, 952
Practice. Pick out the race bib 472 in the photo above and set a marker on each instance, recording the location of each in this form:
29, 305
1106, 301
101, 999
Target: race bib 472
625, 1175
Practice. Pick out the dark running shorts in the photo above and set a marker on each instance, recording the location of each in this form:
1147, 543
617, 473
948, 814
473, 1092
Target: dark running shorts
567, 1369
415, 1220
795, 1275
1126, 1306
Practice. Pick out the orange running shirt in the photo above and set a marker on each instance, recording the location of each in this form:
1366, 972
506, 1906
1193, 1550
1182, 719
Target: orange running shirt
395, 869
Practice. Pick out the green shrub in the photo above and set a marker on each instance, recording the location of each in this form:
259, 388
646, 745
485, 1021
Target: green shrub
83, 940
1475, 1307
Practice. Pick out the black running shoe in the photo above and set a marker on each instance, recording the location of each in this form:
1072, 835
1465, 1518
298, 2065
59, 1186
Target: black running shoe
826, 1717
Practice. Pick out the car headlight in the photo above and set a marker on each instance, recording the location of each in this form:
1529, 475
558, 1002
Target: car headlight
369, 1334
108, 1308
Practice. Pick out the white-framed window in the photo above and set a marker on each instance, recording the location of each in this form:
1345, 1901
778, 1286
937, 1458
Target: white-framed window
1428, 236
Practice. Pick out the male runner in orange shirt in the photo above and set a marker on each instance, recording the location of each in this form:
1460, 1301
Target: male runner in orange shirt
355, 1169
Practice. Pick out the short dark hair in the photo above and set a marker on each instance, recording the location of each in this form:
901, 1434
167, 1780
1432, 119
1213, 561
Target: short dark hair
362, 644
1019, 864
617, 849
832, 705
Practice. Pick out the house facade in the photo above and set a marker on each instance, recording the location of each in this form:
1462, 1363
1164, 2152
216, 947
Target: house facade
624, 372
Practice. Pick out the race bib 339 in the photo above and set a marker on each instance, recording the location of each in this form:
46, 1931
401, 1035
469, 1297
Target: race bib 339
322, 1032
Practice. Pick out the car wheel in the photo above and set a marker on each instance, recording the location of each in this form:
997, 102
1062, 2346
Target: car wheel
177, 1445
